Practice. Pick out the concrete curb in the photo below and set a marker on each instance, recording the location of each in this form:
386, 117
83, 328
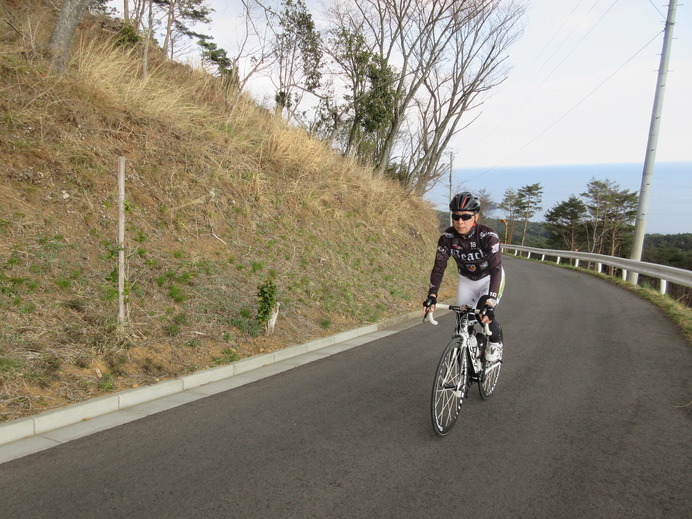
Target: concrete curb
42, 423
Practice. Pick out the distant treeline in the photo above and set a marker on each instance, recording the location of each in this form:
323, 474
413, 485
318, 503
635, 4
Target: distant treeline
669, 249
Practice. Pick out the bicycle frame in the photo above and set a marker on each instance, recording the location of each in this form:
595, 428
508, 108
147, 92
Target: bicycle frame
463, 330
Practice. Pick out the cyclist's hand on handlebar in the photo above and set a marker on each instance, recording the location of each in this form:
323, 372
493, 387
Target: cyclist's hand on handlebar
429, 304
488, 313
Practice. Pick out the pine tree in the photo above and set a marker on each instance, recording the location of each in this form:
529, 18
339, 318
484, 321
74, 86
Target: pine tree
528, 198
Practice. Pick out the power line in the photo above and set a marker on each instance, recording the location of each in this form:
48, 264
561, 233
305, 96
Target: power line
577, 45
571, 109
557, 31
663, 16
520, 92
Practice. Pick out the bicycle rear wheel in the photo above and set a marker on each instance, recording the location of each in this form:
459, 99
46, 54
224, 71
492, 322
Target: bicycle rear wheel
449, 387
489, 378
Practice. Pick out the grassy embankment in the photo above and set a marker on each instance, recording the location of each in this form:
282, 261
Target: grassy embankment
222, 198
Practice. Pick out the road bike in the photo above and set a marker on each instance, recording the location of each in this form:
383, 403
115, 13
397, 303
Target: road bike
462, 363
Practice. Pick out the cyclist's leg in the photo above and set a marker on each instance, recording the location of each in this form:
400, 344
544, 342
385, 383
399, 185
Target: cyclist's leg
493, 353
493, 350
495, 328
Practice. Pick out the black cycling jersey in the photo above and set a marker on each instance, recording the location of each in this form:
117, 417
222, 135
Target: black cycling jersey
477, 255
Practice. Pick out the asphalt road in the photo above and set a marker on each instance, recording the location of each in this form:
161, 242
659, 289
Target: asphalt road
591, 418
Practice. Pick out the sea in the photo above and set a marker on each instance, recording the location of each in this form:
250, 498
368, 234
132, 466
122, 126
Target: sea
670, 198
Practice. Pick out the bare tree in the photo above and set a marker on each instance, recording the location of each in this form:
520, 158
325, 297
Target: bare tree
445, 53
297, 53
253, 52
472, 65
147, 40
133, 13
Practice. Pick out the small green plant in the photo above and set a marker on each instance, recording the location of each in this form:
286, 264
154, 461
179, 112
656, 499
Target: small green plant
193, 343
245, 325
106, 383
176, 294
112, 250
110, 293
63, 283
266, 300
8, 366
325, 323
140, 237
173, 326
37, 269
127, 36
27, 308
13, 260
162, 279
171, 329
185, 277
227, 356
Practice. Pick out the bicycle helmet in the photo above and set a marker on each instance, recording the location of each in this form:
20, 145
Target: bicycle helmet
465, 202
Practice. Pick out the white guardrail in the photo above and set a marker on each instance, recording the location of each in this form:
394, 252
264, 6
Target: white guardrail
662, 272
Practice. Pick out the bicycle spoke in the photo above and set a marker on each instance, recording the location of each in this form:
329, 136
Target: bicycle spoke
491, 375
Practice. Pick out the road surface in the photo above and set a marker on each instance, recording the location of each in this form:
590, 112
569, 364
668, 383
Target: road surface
591, 418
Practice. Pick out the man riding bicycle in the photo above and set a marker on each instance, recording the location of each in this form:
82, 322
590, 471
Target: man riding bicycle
476, 249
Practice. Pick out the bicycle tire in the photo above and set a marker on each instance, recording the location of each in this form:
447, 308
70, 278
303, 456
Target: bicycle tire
450, 387
488, 379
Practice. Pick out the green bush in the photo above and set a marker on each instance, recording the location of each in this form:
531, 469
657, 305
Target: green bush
266, 295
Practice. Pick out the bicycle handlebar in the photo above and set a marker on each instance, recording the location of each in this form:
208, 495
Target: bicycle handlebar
443, 306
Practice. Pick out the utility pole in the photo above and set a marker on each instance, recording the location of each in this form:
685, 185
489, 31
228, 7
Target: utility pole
650, 159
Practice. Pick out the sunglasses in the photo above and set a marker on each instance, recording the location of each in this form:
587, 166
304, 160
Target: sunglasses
465, 217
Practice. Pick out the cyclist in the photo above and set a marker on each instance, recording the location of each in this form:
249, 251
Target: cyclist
476, 249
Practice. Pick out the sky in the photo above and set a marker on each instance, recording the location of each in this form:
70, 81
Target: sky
581, 88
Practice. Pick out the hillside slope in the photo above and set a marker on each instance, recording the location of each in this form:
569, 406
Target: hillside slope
223, 199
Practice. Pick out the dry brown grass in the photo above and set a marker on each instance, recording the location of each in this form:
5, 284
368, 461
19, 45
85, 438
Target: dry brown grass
222, 196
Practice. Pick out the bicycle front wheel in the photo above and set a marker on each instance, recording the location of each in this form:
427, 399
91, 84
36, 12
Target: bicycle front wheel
449, 387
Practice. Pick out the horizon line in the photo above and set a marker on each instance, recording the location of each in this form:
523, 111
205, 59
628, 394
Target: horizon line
492, 168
